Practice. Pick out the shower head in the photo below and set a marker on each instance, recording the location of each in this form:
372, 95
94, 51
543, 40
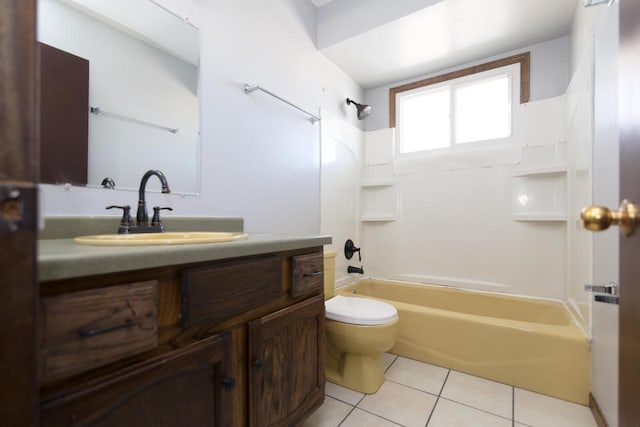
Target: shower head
363, 110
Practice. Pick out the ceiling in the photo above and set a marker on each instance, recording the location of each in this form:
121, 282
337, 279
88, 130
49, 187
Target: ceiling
446, 34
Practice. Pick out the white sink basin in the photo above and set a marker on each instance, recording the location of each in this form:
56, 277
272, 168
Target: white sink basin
170, 238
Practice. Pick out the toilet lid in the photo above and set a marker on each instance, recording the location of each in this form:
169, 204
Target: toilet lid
360, 311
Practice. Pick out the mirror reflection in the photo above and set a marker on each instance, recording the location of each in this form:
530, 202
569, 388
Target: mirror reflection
119, 84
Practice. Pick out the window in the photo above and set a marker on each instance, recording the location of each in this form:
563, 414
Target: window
424, 120
465, 106
483, 110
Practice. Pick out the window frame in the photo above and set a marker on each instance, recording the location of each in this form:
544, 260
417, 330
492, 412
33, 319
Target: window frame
511, 72
524, 59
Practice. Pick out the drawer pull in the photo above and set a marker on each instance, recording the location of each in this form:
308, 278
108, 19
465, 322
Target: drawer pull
258, 363
93, 332
314, 274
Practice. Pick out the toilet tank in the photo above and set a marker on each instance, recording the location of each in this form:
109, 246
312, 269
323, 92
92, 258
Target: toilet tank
329, 273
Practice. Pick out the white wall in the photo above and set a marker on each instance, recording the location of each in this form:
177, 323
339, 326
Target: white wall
600, 25
549, 78
455, 226
340, 189
259, 158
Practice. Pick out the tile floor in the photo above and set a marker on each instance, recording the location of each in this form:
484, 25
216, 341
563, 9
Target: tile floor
418, 394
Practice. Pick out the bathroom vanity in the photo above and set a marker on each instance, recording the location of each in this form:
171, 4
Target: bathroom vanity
226, 334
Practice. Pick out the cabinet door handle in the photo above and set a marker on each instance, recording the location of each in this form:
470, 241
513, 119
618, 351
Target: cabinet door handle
93, 332
258, 363
315, 273
229, 383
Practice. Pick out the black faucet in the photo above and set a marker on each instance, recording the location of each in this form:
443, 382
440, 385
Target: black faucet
350, 249
108, 183
352, 269
142, 217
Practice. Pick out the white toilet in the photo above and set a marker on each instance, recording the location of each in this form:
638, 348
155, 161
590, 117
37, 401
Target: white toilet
357, 331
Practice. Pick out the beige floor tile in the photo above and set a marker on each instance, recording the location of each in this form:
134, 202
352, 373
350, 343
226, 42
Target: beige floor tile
538, 410
387, 360
422, 376
452, 414
330, 414
400, 404
359, 418
349, 396
479, 393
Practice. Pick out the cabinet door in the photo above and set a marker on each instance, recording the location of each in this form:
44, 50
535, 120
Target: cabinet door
186, 388
286, 366
64, 122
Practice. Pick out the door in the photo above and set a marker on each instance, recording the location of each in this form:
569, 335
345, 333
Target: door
18, 175
286, 365
629, 104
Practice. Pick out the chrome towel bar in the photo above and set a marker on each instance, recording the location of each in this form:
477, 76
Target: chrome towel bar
100, 112
252, 88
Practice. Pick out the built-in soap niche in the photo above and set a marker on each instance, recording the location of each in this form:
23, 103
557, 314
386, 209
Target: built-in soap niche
380, 204
539, 182
380, 199
378, 176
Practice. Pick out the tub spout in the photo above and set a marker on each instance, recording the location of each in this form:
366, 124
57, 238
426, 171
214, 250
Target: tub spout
352, 269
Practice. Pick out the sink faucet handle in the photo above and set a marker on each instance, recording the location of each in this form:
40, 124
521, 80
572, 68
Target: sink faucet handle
126, 221
156, 220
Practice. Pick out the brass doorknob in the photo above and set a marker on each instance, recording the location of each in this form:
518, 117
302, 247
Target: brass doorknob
598, 218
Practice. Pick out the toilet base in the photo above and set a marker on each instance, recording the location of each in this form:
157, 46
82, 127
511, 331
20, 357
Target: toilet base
359, 372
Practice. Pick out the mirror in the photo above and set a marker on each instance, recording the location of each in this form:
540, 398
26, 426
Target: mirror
143, 109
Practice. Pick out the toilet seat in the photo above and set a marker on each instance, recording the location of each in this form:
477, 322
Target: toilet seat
360, 311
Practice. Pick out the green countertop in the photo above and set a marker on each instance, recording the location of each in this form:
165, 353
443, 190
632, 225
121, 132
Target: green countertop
60, 258
63, 259
65, 227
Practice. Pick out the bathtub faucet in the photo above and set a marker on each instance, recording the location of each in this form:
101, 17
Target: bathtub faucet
350, 249
352, 269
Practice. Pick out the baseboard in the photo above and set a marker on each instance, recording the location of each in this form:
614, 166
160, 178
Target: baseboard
597, 413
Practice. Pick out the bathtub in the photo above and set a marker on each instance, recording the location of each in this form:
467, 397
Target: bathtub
528, 343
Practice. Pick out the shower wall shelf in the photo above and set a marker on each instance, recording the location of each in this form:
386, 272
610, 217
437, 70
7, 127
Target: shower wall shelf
380, 198
378, 183
542, 170
539, 195
539, 184
379, 218
379, 203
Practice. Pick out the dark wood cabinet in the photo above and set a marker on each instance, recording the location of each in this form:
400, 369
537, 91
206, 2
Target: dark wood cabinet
184, 388
85, 329
222, 291
286, 372
249, 352
307, 274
